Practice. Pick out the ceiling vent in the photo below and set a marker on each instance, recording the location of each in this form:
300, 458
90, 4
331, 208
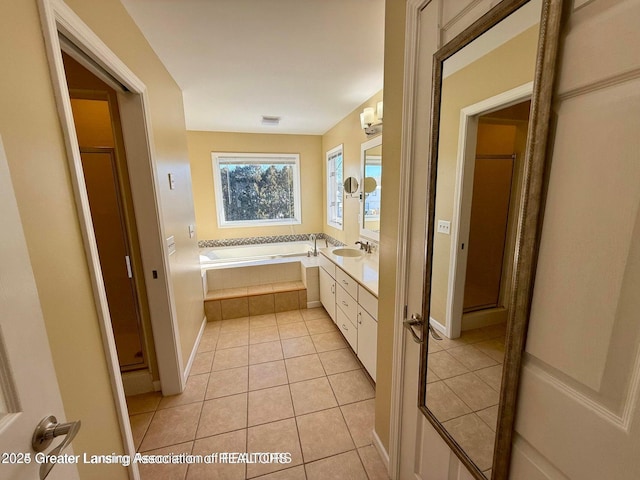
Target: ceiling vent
270, 121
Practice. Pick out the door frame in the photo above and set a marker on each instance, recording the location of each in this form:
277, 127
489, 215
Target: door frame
58, 18
460, 221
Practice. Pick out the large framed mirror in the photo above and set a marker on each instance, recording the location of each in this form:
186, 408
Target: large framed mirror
371, 188
492, 89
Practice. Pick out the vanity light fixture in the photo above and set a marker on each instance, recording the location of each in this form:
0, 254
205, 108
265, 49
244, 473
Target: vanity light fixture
371, 119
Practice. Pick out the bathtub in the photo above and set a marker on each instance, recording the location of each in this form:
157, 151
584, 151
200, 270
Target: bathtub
218, 256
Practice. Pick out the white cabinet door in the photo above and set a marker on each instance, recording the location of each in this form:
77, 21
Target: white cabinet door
328, 293
28, 386
367, 341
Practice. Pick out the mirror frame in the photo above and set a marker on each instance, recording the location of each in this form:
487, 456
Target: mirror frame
528, 224
374, 142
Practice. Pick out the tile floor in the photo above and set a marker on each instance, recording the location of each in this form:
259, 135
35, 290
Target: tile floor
284, 382
463, 387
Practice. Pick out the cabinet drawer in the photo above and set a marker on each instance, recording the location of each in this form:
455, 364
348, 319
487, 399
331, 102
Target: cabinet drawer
368, 301
347, 304
346, 282
328, 265
348, 330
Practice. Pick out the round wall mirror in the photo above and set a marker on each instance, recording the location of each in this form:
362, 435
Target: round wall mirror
351, 185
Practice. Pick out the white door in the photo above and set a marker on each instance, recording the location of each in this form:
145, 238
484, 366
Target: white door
578, 407
578, 412
29, 390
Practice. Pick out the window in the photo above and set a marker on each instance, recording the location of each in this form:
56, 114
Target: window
335, 187
257, 189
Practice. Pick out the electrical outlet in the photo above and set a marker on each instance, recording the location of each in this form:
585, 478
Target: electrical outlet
444, 227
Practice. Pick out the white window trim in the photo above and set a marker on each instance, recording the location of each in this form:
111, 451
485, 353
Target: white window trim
331, 216
292, 158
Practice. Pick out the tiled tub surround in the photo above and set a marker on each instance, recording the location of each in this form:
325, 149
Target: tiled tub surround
283, 382
299, 237
260, 288
242, 254
463, 388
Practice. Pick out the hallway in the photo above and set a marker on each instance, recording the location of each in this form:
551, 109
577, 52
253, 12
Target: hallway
284, 382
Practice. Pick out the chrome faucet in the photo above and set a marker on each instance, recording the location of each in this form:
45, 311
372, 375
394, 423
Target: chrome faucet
366, 246
314, 238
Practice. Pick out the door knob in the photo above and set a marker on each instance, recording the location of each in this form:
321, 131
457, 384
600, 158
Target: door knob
415, 320
45, 432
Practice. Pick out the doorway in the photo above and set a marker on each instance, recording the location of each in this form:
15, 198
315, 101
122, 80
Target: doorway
500, 143
104, 165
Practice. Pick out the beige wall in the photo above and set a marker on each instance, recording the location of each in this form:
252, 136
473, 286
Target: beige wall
34, 145
484, 78
201, 144
391, 149
349, 133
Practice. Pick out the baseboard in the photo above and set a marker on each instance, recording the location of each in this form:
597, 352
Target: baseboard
384, 456
157, 386
135, 383
314, 304
438, 326
194, 350
484, 318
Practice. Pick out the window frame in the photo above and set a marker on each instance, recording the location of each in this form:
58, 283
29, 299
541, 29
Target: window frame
333, 219
292, 159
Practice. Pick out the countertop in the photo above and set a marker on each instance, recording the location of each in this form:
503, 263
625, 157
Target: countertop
363, 269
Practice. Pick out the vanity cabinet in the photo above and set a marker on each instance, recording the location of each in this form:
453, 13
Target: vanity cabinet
353, 309
328, 287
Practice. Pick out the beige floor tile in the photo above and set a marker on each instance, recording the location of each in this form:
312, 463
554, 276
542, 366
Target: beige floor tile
292, 316
295, 473
325, 342
222, 415
281, 436
471, 357
139, 424
233, 339
228, 382
346, 466
444, 365
265, 352
265, 375
193, 392
475, 438
351, 387
473, 391
314, 313
338, 361
443, 403
321, 325
432, 377
263, 334
494, 348
286, 301
209, 340
227, 442
373, 463
304, 368
172, 426
360, 418
312, 395
323, 434
146, 402
270, 405
292, 330
261, 304
213, 310
489, 416
234, 324
160, 471
492, 376
433, 345
233, 308
296, 347
201, 363
230, 358
259, 321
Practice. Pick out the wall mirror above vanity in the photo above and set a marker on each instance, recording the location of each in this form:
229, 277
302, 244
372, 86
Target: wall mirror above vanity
371, 188
491, 108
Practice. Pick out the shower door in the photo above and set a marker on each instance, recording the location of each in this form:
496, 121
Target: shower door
115, 259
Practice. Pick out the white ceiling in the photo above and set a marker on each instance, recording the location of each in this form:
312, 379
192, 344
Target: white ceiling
311, 62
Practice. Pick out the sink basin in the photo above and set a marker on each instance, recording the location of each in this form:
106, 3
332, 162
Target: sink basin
347, 252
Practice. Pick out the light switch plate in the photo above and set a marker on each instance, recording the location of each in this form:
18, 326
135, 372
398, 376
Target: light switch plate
192, 231
444, 227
